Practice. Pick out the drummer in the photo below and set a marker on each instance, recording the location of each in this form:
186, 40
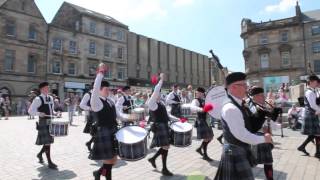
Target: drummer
43, 106
125, 103
204, 131
85, 105
160, 127
104, 147
174, 100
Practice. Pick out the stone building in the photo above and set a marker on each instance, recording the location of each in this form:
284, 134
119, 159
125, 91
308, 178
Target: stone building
279, 51
23, 42
79, 39
147, 57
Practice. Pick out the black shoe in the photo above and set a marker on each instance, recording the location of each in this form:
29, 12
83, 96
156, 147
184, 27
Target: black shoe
96, 175
198, 150
302, 149
39, 156
52, 165
317, 155
166, 172
207, 158
153, 162
88, 146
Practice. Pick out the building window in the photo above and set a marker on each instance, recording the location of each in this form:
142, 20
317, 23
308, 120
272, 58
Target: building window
9, 60
284, 36
57, 44
107, 31
92, 69
316, 47
92, 27
121, 73
285, 58
72, 68
120, 35
263, 39
10, 28
32, 33
316, 66
245, 43
315, 30
120, 52
108, 74
73, 47
92, 48
31, 64
107, 50
56, 67
264, 60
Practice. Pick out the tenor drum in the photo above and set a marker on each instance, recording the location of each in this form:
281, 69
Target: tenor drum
216, 96
132, 143
59, 127
181, 134
140, 112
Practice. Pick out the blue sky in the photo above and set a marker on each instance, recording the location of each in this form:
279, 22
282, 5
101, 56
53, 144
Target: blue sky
197, 25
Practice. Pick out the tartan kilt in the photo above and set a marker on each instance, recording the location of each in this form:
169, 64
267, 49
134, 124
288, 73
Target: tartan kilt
88, 126
234, 164
161, 135
310, 125
263, 153
44, 136
204, 131
104, 144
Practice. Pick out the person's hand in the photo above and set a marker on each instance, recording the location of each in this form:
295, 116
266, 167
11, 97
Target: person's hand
267, 138
162, 76
102, 68
41, 114
125, 107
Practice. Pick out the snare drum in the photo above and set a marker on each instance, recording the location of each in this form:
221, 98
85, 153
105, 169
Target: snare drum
140, 112
181, 134
59, 127
132, 143
185, 110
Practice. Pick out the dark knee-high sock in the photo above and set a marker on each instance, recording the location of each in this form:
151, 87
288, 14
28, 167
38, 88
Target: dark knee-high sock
317, 145
164, 158
309, 139
201, 146
42, 150
108, 171
268, 171
157, 153
205, 147
47, 151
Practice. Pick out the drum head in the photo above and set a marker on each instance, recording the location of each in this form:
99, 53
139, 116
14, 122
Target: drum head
131, 134
181, 127
138, 110
217, 97
59, 121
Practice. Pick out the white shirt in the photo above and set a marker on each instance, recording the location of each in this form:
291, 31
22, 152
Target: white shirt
194, 106
120, 101
96, 103
234, 119
170, 98
152, 102
36, 103
311, 97
84, 102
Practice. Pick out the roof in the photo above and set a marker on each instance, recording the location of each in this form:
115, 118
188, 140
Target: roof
2, 2
96, 14
311, 15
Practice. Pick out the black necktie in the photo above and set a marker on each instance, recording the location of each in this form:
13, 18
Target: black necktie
47, 98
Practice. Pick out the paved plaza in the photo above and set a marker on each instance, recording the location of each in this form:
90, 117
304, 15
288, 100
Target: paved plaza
18, 157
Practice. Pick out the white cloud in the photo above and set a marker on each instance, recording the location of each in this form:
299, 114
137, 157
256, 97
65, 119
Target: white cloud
126, 10
179, 3
282, 6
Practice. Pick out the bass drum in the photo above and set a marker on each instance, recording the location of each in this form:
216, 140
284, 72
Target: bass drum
216, 96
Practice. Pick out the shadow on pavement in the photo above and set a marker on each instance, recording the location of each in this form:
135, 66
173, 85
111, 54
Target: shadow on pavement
279, 175
45, 173
119, 163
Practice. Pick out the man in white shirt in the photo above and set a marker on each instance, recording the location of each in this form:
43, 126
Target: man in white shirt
236, 161
174, 100
125, 103
310, 124
43, 106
